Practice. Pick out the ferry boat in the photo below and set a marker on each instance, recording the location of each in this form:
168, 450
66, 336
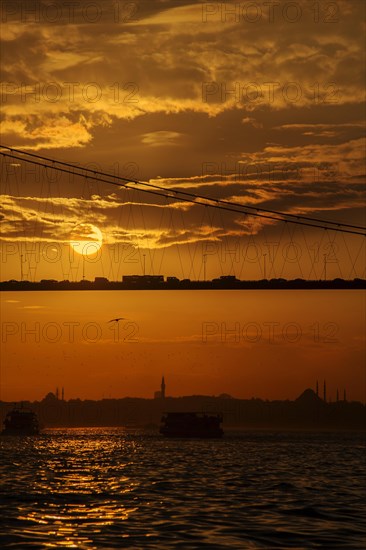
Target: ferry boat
192, 424
21, 421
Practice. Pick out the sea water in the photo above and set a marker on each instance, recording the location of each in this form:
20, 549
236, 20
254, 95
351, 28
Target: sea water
113, 488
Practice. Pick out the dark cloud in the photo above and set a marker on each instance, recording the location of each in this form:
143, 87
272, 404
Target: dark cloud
163, 93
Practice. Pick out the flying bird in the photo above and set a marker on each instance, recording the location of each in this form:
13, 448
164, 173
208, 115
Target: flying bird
117, 319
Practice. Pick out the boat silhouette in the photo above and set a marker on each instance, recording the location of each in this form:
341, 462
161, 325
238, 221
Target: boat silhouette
191, 424
21, 421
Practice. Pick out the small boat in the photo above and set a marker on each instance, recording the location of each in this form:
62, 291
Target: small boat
21, 421
191, 424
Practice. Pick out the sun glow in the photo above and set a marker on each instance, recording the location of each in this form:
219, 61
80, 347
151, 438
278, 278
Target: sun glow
86, 239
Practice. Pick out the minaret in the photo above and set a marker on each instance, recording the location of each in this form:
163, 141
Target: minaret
317, 388
163, 388
325, 392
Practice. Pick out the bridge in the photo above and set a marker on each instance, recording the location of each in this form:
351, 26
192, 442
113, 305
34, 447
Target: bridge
165, 229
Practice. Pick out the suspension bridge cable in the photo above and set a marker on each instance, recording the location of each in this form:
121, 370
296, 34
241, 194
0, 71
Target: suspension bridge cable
172, 193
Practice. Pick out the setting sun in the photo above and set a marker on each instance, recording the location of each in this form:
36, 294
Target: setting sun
86, 239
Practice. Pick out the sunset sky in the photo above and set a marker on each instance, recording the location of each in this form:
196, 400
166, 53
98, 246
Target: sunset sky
260, 103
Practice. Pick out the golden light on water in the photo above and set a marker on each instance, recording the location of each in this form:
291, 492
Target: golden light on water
117, 488
83, 500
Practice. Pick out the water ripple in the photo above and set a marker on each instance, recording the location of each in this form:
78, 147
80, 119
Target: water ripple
108, 488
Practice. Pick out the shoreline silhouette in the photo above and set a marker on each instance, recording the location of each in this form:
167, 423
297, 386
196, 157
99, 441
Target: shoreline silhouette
306, 412
157, 282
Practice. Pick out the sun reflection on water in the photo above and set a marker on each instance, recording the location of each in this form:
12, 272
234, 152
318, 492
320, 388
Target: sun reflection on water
83, 482
107, 488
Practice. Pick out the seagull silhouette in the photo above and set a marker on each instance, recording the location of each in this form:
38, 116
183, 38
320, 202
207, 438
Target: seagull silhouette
117, 319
